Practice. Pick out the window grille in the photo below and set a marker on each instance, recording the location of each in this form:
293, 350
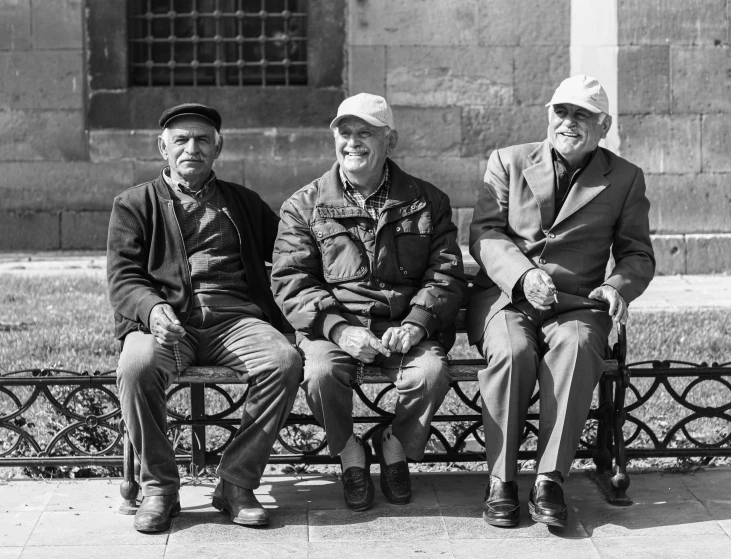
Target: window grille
217, 42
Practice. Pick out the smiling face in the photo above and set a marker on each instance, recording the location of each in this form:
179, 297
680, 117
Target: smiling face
362, 148
190, 147
575, 132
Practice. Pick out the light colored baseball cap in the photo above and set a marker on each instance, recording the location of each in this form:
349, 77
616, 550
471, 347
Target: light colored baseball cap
583, 91
371, 108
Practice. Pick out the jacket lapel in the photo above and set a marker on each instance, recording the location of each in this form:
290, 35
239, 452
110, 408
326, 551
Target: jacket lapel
540, 179
588, 185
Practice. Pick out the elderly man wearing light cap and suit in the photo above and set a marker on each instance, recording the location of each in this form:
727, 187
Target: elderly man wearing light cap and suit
188, 283
367, 269
547, 219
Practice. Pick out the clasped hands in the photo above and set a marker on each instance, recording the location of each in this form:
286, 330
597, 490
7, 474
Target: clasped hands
539, 291
362, 344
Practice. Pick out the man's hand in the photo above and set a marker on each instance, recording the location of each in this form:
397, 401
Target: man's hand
618, 309
359, 342
538, 289
400, 339
164, 325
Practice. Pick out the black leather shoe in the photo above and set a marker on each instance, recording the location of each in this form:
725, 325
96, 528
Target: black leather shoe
502, 507
156, 513
358, 488
395, 478
546, 504
241, 504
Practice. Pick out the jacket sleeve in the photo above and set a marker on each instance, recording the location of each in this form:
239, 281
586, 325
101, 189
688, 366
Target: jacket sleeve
297, 280
632, 249
443, 286
490, 244
131, 292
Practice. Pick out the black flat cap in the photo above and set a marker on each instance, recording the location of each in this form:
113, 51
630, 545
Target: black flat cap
196, 109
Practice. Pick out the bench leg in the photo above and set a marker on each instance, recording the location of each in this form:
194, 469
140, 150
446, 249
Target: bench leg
620, 480
198, 412
130, 488
602, 454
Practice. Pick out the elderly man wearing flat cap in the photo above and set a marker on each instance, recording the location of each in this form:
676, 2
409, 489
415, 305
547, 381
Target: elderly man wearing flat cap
188, 284
367, 269
547, 219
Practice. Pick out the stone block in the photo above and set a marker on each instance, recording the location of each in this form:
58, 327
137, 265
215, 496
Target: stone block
84, 230
30, 135
15, 25
662, 143
448, 76
60, 27
708, 254
304, 143
524, 22
367, 70
485, 128
256, 142
277, 179
699, 79
644, 79
29, 231
42, 80
538, 71
428, 131
462, 218
413, 22
458, 177
689, 203
115, 145
149, 170
63, 185
715, 142
670, 254
676, 22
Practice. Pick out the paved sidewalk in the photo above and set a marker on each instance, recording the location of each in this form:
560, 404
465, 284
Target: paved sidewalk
670, 293
674, 515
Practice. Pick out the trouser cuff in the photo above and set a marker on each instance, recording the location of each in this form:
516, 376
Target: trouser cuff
245, 482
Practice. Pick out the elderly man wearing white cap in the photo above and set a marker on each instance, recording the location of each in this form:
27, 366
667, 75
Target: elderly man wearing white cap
367, 269
547, 219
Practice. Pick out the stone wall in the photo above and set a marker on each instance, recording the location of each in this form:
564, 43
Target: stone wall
674, 74
463, 77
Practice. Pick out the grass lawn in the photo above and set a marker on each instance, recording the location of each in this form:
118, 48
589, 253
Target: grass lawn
64, 321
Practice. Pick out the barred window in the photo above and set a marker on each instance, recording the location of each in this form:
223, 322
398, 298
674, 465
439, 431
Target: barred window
217, 42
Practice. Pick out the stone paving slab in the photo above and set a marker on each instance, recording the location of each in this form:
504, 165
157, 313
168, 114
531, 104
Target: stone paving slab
673, 515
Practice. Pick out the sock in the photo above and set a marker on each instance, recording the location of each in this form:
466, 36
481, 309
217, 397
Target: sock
392, 450
550, 476
353, 454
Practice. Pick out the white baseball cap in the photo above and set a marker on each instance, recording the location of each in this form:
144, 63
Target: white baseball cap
371, 108
583, 91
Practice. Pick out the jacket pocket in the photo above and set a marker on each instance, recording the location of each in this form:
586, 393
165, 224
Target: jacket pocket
412, 236
343, 257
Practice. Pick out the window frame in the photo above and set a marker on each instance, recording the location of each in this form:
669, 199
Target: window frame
114, 103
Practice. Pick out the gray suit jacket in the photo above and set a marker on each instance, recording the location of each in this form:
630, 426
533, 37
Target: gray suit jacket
514, 230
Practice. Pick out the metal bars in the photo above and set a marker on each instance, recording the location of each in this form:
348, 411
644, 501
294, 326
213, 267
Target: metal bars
217, 42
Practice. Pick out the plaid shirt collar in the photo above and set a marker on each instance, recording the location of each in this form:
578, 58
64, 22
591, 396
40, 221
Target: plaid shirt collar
374, 203
180, 188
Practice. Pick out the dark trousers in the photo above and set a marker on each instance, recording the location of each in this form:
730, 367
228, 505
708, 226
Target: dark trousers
565, 354
224, 336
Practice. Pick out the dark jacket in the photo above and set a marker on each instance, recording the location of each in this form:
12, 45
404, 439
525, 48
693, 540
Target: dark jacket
328, 260
146, 260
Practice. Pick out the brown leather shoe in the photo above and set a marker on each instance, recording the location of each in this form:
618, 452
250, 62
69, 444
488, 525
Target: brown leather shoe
546, 504
395, 478
358, 488
156, 513
502, 507
240, 503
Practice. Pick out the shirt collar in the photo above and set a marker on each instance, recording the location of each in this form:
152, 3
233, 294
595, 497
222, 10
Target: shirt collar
348, 186
180, 188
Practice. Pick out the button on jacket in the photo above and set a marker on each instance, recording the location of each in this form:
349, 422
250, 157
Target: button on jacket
332, 258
